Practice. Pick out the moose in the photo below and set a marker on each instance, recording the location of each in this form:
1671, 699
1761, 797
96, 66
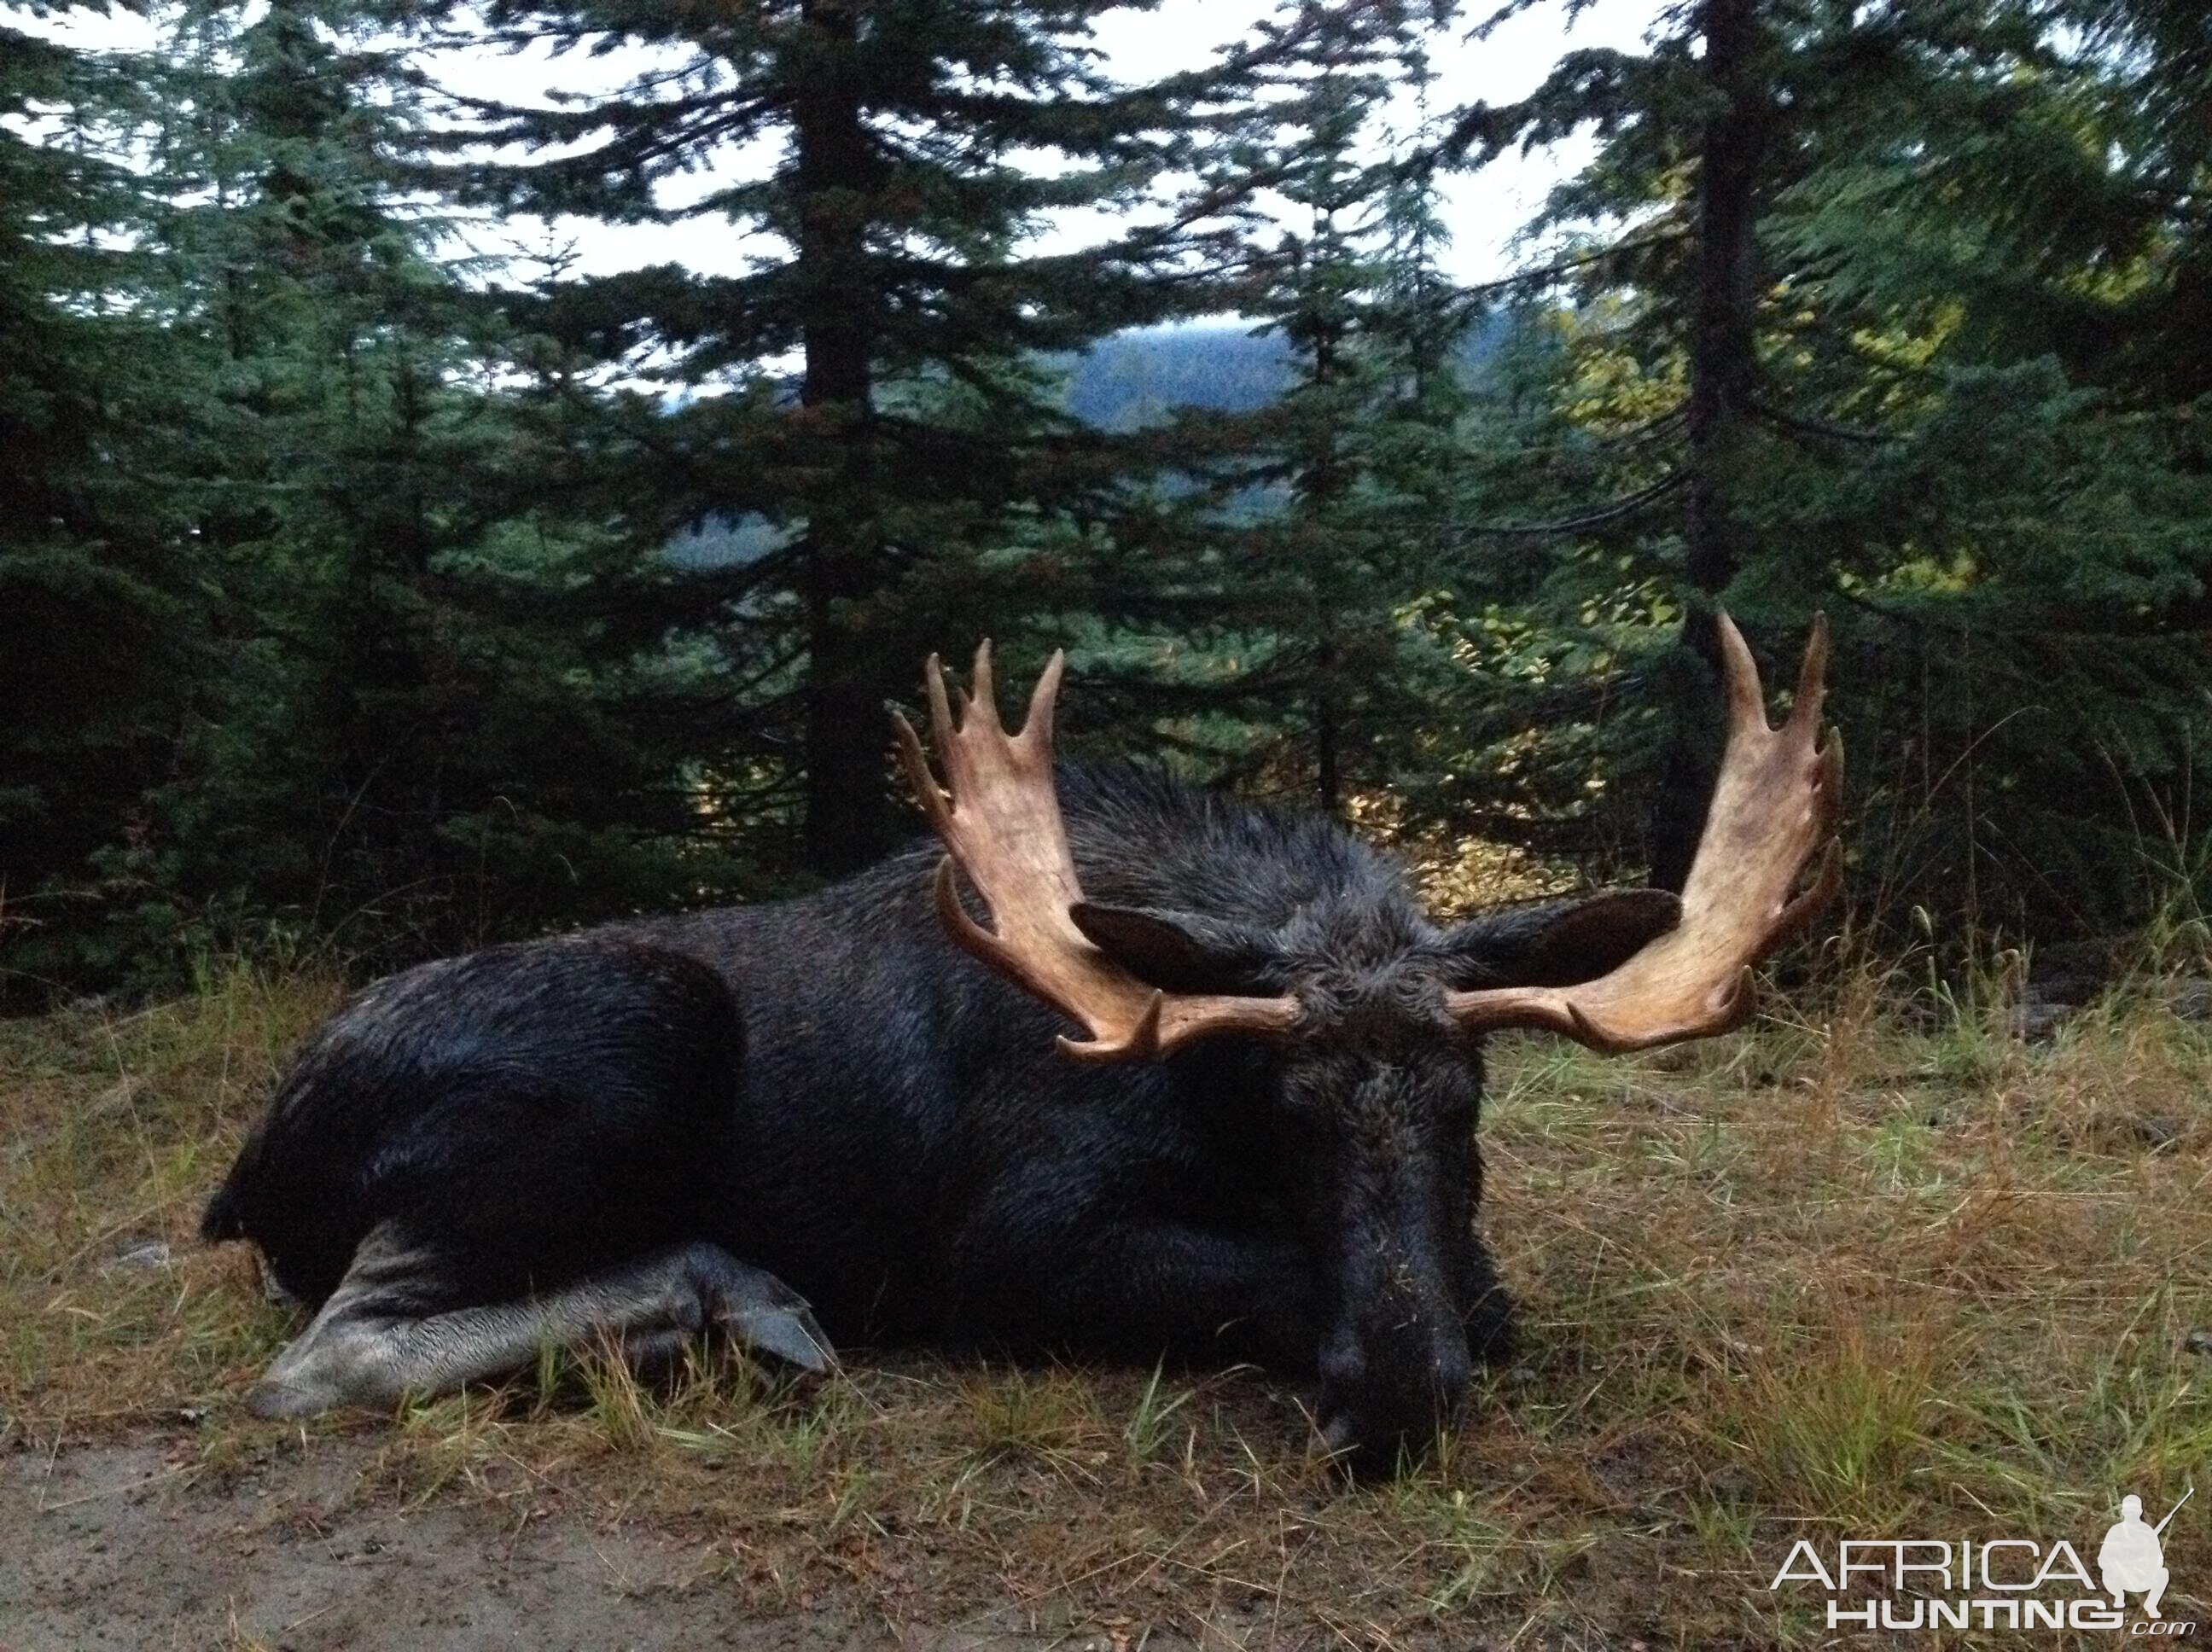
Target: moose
1118, 1066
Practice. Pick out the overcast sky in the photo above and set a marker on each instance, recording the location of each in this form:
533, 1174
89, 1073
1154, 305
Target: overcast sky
1482, 211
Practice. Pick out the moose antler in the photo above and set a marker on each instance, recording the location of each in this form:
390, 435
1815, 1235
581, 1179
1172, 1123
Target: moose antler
1774, 804
1000, 821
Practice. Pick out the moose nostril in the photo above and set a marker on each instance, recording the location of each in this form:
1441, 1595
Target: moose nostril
1368, 1450
1343, 1365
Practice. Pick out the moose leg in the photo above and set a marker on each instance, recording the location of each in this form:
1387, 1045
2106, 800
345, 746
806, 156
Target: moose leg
384, 1332
1138, 1288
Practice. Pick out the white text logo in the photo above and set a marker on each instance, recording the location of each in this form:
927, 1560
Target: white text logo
2001, 1583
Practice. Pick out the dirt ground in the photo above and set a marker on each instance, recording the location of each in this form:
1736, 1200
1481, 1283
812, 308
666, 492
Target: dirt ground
123, 1545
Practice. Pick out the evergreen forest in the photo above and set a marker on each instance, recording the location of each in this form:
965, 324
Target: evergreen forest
379, 576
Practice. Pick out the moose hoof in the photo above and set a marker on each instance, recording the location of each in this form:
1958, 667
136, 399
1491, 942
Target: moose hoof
277, 1401
788, 1336
759, 1312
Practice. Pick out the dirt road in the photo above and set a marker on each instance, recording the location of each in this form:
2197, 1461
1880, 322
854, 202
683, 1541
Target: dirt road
125, 1545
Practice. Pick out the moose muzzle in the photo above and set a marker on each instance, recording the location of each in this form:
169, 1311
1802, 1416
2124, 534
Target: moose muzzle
1395, 1365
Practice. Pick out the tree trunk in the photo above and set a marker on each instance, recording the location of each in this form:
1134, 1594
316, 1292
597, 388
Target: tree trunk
1328, 724
850, 820
1723, 367
1321, 487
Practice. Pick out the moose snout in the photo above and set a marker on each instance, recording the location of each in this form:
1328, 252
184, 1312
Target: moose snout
1385, 1397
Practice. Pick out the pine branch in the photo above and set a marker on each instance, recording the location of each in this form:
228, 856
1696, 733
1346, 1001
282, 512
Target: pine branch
1545, 274
1798, 424
1612, 513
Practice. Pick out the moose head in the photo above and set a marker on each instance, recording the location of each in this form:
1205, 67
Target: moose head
1371, 1017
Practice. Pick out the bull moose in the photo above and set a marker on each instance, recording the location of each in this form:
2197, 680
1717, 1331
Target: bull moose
840, 1119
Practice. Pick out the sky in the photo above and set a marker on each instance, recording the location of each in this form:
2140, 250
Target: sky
1483, 211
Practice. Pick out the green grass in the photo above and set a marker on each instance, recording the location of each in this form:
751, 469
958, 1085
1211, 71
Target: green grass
1855, 1274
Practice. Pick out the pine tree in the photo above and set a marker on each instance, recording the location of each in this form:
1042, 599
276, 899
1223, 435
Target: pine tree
1839, 293
434, 726
97, 580
1331, 519
918, 448
1249, 602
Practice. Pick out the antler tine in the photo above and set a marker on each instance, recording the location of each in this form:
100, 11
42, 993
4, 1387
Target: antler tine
940, 708
1812, 681
1827, 884
982, 695
951, 712
935, 806
1036, 726
954, 916
1140, 1043
1747, 695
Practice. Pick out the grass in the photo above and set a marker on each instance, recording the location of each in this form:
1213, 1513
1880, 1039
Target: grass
1872, 1275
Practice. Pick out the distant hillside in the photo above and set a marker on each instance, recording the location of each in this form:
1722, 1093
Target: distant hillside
1137, 378
1126, 382
726, 542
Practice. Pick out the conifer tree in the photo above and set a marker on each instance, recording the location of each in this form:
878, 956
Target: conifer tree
97, 580
1837, 302
427, 730
1330, 522
918, 148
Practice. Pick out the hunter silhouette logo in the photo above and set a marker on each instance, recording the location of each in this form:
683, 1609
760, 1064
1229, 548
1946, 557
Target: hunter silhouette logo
2001, 1582
2130, 1560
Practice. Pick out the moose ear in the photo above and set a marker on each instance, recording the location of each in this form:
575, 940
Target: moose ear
1177, 951
1558, 943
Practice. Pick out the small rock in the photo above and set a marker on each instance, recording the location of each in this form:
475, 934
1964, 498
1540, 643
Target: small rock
148, 1253
1917, 1015
2035, 1019
2158, 1132
2072, 988
2197, 1342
